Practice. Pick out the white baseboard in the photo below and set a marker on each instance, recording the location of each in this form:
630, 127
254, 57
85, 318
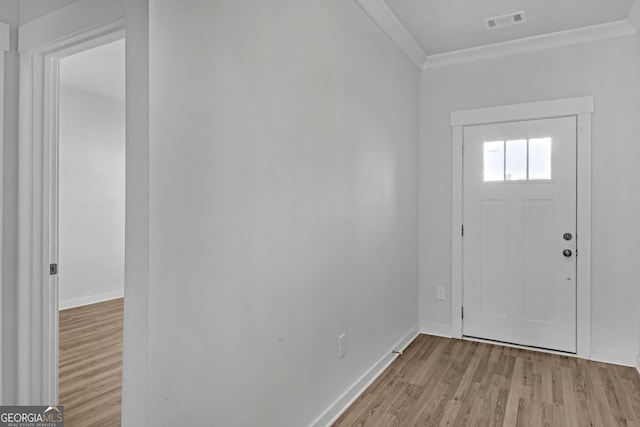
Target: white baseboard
77, 302
614, 357
436, 330
331, 414
638, 363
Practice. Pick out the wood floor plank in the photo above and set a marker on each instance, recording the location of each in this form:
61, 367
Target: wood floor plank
90, 365
516, 391
462, 383
569, 398
501, 407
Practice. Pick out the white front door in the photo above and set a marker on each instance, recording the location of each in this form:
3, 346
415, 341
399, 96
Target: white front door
519, 240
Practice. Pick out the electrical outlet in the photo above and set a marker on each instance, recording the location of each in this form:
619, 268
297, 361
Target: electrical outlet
440, 293
342, 345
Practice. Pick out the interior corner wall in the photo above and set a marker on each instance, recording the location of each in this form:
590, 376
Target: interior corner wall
609, 71
91, 198
283, 207
9, 13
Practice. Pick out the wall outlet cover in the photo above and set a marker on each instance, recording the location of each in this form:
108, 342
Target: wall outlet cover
342, 345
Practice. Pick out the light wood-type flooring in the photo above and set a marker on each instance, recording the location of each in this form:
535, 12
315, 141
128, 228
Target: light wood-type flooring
91, 364
446, 382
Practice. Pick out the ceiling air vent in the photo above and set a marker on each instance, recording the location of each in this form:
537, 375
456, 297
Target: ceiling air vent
504, 20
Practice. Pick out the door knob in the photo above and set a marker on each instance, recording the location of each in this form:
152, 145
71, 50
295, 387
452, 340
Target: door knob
567, 253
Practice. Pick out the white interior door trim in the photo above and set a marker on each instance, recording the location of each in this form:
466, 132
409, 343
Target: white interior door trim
582, 108
583, 252
37, 298
77, 18
520, 112
4, 47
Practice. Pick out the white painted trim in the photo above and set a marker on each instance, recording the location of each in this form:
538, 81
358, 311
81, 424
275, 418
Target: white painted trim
614, 357
456, 232
443, 331
37, 292
50, 118
92, 299
559, 39
5, 43
638, 363
582, 109
383, 17
333, 412
79, 26
527, 111
634, 15
29, 367
583, 236
79, 17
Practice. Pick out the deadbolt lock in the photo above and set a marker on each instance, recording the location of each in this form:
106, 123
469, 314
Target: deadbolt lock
567, 236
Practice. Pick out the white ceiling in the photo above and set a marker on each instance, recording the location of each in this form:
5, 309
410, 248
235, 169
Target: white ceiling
99, 70
448, 25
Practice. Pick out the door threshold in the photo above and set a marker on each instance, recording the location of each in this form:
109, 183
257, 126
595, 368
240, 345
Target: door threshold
520, 346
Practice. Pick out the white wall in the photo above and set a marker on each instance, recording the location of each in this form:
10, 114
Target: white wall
609, 71
283, 207
92, 185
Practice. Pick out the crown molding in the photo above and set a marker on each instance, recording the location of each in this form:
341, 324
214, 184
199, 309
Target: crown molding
531, 44
4, 36
634, 15
383, 17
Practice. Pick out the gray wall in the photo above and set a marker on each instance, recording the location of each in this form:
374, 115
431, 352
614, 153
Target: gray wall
91, 198
283, 207
609, 71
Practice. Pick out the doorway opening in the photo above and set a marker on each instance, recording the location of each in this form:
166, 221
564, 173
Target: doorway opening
42, 44
88, 231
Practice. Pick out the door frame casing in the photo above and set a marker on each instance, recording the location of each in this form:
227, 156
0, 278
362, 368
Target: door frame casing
581, 108
77, 27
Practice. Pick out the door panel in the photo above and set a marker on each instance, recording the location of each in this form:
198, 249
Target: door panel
537, 260
495, 249
519, 200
